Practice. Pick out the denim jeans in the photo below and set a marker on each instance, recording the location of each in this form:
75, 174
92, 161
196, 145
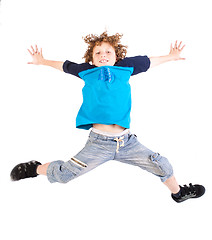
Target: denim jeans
101, 148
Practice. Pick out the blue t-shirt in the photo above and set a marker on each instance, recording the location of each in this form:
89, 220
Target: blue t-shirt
107, 92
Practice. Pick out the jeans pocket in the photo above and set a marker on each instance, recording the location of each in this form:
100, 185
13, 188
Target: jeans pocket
157, 159
162, 163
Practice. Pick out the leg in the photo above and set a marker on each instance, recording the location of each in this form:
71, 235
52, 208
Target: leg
172, 184
95, 153
136, 154
42, 169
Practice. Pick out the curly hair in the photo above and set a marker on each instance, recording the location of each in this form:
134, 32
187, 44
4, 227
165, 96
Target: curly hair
95, 40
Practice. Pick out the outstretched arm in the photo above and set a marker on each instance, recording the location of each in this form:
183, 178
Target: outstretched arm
38, 59
173, 55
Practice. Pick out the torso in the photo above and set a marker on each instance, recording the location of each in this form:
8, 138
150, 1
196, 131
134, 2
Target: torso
109, 128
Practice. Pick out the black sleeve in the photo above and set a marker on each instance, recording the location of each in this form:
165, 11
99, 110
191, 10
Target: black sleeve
139, 63
75, 68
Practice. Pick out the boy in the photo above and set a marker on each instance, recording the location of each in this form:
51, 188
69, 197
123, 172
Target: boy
106, 109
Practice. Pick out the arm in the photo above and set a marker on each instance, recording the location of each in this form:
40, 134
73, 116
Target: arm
173, 55
38, 59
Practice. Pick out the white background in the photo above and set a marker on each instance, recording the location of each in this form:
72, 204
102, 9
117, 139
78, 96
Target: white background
171, 114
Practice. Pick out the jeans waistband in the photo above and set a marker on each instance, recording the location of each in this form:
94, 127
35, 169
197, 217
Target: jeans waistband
107, 136
118, 138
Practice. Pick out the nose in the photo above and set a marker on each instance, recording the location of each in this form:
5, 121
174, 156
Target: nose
103, 54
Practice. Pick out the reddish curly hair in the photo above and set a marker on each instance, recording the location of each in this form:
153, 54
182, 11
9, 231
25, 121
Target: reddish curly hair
95, 40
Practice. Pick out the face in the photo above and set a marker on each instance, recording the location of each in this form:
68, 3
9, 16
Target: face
104, 55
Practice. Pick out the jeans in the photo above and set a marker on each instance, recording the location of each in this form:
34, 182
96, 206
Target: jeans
101, 148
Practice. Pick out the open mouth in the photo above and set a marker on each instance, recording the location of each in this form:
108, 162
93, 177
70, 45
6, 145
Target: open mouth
104, 61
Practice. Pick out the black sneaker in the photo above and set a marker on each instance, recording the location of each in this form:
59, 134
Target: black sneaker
24, 170
193, 191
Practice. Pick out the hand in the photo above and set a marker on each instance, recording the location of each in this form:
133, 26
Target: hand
37, 56
176, 51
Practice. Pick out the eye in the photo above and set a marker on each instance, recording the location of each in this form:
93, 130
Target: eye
108, 51
97, 52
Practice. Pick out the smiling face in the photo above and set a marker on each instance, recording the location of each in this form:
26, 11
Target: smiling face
104, 55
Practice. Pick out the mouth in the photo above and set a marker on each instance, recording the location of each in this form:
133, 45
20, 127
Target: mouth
104, 61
